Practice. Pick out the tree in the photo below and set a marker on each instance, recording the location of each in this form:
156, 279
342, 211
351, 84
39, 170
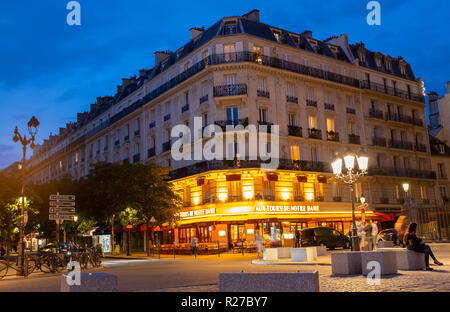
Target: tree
104, 193
152, 195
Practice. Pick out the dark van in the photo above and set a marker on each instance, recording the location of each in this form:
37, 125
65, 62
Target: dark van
324, 235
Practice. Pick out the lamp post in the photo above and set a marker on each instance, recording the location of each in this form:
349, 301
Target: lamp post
351, 177
33, 126
76, 229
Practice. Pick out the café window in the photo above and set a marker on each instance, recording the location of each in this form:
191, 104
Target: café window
185, 235
204, 234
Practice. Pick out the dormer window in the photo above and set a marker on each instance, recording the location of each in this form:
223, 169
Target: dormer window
403, 69
277, 35
441, 149
362, 57
230, 28
295, 39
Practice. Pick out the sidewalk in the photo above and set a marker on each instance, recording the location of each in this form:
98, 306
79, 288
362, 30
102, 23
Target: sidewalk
215, 257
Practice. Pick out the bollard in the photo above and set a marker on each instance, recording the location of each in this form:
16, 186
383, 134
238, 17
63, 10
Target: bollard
218, 249
242, 247
159, 250
174, 249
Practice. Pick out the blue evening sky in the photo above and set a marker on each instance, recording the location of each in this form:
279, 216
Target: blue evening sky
53, 70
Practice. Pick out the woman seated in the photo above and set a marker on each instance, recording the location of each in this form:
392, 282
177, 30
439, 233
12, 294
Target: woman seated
412, 242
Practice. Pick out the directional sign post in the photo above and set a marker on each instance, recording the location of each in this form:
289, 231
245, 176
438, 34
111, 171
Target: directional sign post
62, 208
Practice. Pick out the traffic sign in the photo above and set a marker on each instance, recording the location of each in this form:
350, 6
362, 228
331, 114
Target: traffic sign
59, 203
61, 217
62, 197
61, 209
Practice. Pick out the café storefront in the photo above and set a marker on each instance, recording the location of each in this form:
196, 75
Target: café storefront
231, 226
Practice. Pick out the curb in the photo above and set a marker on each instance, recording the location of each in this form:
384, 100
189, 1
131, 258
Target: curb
265, 262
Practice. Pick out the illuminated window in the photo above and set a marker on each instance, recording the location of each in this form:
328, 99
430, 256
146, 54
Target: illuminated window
295, 154
330, 124
257, 54
351, 127
312, 122
230, 52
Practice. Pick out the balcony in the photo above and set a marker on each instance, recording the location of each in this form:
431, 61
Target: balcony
402, 172
166, 146
185, 108
333, 136
315, 133
354, 139
265, 123
442, 175
378, 141
351, 111
373, 113
400, 144
151, 152
263, 93
391, 116
392, 91
166, 117
137, 133
295, 131
420, 148
329, 106
291, 99
136, 158
152, 125
405, 119
230, 90
417, 122
311, 103
284, 164
236, 122
204, 99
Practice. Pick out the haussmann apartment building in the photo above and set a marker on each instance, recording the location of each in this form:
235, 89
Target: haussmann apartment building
327, 96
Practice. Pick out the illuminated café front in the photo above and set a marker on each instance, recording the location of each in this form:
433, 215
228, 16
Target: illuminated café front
228, 206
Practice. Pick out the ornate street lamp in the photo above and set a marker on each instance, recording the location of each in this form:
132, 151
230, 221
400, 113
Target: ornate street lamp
33, 126
350, 177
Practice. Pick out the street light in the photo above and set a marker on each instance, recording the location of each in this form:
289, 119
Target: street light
350, 177
33, 126
76, 230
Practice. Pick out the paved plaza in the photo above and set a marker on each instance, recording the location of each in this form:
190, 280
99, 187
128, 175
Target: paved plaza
201, 275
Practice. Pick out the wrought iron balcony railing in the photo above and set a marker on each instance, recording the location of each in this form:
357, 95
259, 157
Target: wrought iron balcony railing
351, 110
392, 91
235, 122
136, 158
230, 90
263, 93
166, 117
204, 99
378, 141
311, 103
292, 99
314, 133
400, 144
185, 108
402, 172
166, 146
333, 136
137, 133
151, 152
284, 164
420, 147
354, 139
295, 131
375, 114
152, 125
329, 106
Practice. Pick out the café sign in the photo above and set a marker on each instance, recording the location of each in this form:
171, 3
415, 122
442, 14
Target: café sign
198, 213
285, 209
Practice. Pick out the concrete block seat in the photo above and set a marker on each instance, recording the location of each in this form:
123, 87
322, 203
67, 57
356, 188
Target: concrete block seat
91, 282
321, 250
408, 259
387, 260
284, 252
346, 262
304, 254
385, 244
270, 254
269, 282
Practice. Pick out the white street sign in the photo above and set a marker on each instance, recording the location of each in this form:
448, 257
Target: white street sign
62, 197
61, 217
61, 210
59, 203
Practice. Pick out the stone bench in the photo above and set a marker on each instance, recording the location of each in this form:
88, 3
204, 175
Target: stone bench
385, 244
408, 259
346, 263
304, 254
269, 282
90, 282
386, 258
270, 254
321, 250
284, 252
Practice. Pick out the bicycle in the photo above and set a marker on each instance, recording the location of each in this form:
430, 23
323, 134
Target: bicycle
29, 266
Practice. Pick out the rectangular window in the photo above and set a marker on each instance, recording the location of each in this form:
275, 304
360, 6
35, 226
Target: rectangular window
351, 127
292, 119
229, 51
232, 115
262, 84
330, 124
441, 171
230, 28
295, 154
257, 54
443, 191
312, 122
291, 89
230, 79
262, 115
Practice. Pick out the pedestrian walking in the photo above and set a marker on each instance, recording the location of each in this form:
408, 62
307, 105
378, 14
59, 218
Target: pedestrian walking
259, 241
360, 232
297, 239
368, 241
412, 242
194, 242
374, 233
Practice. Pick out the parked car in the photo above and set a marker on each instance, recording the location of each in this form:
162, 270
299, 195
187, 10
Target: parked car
324, 235
388, 235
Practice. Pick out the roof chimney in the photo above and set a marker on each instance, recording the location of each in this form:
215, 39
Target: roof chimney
196, 32
142, 72
161, 56
253, 15
307, 34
